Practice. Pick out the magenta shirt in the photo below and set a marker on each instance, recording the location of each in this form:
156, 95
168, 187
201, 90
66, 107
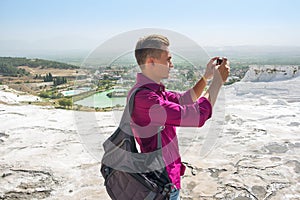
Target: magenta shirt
155, 107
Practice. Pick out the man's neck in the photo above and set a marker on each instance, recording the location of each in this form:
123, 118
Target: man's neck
150, 76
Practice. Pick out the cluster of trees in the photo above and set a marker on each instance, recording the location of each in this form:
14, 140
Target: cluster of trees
7, 70
56, 80
48, 78
9, 65
59, 80
22, 61
65, 102
105, 84
50, 94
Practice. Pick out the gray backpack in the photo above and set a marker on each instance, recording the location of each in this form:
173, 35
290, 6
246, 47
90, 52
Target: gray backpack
128, 174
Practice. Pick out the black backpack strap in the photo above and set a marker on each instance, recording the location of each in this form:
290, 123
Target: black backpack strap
126, 117
129, 109
168, 187
159, 142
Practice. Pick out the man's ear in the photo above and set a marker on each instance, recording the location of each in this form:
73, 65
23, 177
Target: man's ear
150, 61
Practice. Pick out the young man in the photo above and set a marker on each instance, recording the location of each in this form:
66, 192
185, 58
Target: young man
155, 107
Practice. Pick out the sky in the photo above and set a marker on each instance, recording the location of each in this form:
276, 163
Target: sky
74, 24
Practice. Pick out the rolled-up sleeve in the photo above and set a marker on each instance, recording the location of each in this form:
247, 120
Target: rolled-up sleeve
152, 109
180, 98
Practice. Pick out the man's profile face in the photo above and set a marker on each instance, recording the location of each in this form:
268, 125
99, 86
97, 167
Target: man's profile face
163, 64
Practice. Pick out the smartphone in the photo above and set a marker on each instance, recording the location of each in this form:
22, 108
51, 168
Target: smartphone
219, 61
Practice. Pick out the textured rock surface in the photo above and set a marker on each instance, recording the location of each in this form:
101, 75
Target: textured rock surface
254, 156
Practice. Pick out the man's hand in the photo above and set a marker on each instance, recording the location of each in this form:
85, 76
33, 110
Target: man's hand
220, 76
223, 70
210, 67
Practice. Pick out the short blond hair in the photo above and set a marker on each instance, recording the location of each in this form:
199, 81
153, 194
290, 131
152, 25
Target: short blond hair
152, 45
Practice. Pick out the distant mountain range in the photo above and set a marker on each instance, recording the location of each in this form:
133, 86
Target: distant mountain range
256, 52
78, 52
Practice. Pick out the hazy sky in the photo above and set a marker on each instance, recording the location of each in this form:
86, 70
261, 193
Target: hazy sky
71, 24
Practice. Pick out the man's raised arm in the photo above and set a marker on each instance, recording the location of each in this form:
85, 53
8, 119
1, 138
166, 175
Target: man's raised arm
219, 78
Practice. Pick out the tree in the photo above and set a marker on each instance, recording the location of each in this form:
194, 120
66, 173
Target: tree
190, 75
48, 78
59, 80
105, 77
44, 94
66, 103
